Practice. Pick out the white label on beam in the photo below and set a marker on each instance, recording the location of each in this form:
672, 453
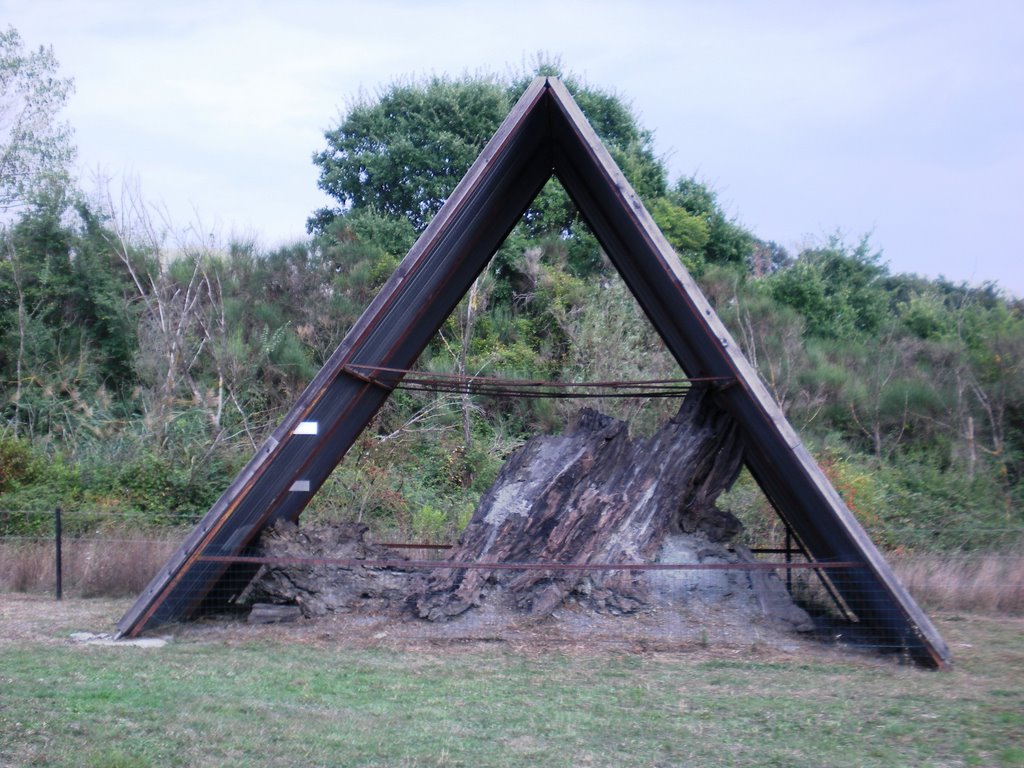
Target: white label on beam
306, 428
300, 485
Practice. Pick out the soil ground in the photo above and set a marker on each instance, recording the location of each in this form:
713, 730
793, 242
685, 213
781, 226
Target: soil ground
707, 632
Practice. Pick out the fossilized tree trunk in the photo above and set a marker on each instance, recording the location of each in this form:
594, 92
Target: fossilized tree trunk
592, 495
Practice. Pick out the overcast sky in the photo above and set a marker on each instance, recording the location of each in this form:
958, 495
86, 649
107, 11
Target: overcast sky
902, 119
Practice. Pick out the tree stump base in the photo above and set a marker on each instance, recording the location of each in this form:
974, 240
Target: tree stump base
591, 496
323, 588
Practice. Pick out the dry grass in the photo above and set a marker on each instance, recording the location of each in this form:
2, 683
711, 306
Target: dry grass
114, 566
991, 584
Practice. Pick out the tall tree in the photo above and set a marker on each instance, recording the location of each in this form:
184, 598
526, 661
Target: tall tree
402, 154
726, 241
67, 325
839, 290
35, 146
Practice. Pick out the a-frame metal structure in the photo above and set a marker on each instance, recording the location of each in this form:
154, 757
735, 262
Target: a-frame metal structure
545, 134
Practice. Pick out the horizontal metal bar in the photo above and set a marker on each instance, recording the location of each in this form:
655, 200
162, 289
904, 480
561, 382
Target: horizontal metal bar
397, 378
536, 394
414, 545
374, 370
458, 566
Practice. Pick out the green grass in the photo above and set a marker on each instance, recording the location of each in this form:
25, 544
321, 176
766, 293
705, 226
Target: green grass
275, 703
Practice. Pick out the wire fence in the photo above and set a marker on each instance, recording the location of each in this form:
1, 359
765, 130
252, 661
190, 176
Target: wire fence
711, 600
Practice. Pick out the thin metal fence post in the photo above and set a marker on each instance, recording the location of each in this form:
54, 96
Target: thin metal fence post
58, 559
789, 559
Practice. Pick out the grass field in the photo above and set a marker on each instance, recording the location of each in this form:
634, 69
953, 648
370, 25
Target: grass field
261, 698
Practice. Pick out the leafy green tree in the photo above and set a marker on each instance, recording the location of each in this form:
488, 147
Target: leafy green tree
393, 161
885, 395
839, 291
726, 242
67, 324
686, 232
359, 251
631, 145
402, 154
35, 147
995, 344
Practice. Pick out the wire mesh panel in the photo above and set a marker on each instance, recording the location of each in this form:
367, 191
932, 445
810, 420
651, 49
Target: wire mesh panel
692, 605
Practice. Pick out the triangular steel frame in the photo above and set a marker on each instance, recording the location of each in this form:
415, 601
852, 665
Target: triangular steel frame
545, 134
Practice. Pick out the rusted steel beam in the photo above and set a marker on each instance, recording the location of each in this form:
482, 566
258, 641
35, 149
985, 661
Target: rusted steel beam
545, 134
291, 466
702, 345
